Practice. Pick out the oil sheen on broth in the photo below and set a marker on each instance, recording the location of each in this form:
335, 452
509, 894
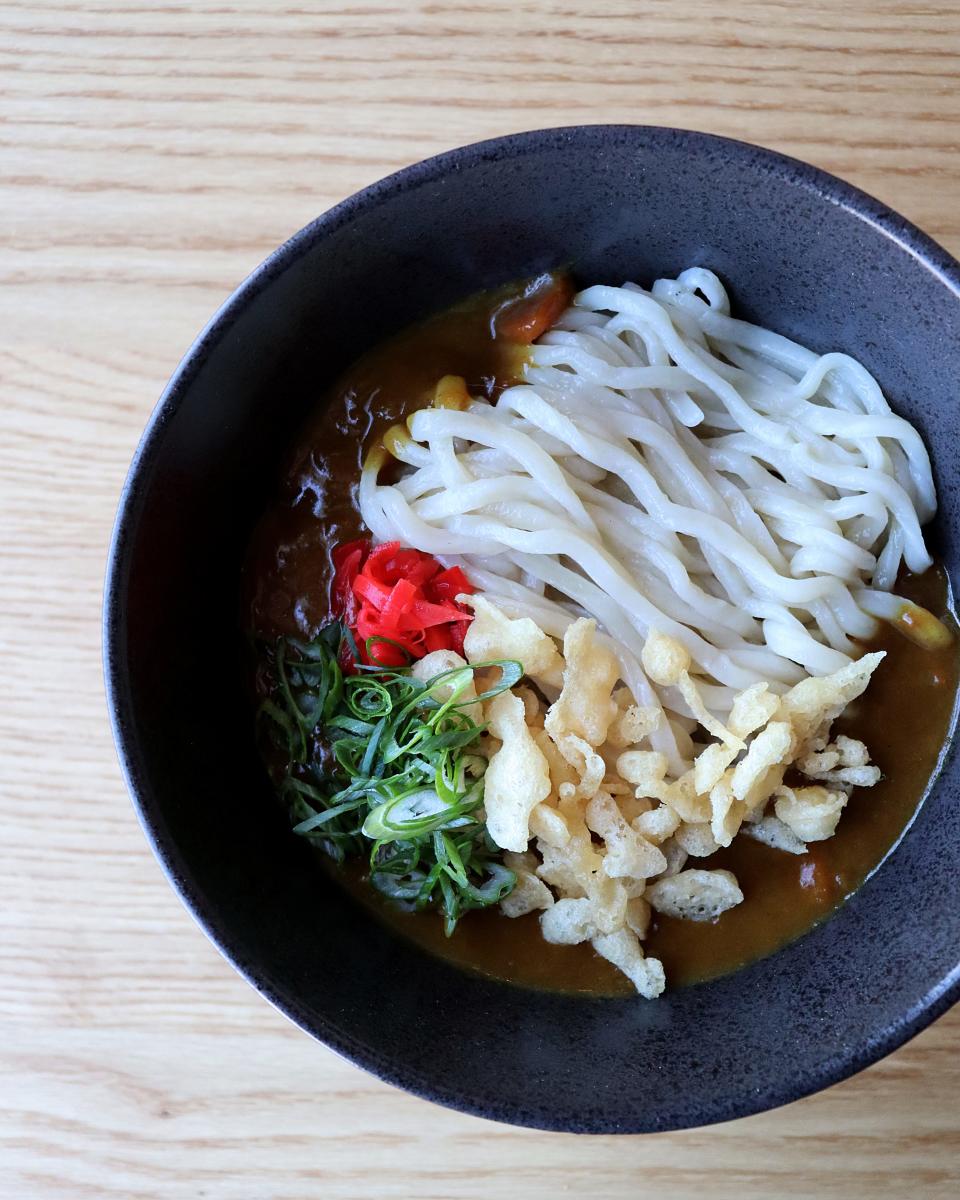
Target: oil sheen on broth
904, 717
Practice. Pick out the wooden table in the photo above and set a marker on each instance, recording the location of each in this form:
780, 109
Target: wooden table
151, 156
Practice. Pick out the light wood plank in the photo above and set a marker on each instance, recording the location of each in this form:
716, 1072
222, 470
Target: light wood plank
150, 156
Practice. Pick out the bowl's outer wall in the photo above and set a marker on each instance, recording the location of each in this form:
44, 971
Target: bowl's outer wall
612, 204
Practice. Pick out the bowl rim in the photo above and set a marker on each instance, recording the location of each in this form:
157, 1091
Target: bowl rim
824, 187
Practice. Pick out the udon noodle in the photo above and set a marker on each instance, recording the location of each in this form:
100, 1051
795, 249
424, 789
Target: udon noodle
667, 467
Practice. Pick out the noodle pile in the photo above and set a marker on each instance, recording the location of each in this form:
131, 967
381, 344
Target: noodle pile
666, 467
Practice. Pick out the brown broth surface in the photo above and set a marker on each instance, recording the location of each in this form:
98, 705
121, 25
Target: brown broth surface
288, 570
904, 717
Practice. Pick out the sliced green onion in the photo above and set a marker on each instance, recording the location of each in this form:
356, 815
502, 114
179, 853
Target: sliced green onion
400, 776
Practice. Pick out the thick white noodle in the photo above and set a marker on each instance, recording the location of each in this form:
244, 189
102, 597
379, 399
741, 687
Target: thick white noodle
668, 466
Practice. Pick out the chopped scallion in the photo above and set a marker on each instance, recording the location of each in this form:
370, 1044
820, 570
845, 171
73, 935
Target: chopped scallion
381, 763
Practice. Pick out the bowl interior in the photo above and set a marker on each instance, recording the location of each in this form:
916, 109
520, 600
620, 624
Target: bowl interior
800, 253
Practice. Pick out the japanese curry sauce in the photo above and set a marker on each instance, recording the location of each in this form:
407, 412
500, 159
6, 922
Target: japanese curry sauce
903, 717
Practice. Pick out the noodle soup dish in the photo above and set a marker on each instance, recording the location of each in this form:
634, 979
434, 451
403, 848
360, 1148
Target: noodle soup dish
529, 633
584, 624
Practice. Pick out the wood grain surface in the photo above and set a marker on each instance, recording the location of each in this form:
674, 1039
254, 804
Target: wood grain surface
150, 155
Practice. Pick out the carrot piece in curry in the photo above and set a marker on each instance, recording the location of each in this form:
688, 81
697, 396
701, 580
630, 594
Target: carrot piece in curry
524, 319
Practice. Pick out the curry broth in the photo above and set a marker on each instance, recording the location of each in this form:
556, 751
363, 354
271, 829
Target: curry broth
904, 718
289, 570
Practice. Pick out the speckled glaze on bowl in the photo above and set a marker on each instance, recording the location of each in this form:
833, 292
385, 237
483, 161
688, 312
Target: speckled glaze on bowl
802, 252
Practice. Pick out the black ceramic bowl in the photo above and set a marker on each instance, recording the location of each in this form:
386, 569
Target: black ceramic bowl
803, 253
